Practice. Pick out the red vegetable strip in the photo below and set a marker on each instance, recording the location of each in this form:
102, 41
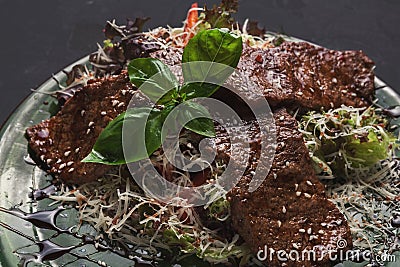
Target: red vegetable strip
191, 21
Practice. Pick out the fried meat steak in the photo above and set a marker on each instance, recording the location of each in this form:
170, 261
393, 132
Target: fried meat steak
299, 74
289, 211
61, 142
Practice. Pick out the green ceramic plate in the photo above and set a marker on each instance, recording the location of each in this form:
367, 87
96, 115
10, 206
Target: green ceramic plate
17, 177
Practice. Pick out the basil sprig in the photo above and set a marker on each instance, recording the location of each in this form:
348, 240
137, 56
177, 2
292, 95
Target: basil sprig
201, 79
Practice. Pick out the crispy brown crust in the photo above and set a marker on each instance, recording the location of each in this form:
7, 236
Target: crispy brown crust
289, 210
61, 142
301, 75
311, 77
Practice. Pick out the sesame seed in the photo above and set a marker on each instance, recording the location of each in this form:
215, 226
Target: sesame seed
67, 153
61, 166
353, 94
312, 90
302, 230
279, 223
307, 195
295, 246
332, 105
313, 237
70, 163
48, 161
82, 112
321, 232
284, 209
287, 163
309, 231
91, 124
296, 186
334, 80
309, 182
300, 93
323, 224
282, 118
88, 131
114, 102
77, 150
71, 170
58, 161
298, 193
103, 113
344, 91
123, 92
121, 104
42, 157
275, 175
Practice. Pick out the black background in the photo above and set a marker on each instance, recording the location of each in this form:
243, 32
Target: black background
41, 37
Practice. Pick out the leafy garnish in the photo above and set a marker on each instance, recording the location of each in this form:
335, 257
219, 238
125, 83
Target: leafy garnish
142, 123
213, 46
278, 40
209, 59
345, 139
253, 29
153, 77
123, 43
132, 26
203, 125
220, 16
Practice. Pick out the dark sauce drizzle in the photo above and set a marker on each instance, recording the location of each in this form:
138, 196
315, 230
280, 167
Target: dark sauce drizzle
396, 221
393, 111
39, 194
48, 250
29, 160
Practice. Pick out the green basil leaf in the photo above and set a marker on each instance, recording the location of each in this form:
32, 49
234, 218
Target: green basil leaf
154, 78
216, 45
198, 89
144, 127
207, 48
197, 117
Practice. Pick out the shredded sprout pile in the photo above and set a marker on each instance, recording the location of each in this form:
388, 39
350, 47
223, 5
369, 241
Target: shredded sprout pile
117, 207
364, 184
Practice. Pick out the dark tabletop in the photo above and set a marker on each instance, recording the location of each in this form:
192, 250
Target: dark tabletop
39, 38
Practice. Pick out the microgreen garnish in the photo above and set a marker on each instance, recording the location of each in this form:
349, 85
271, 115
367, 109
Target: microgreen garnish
345, 139
208, 60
